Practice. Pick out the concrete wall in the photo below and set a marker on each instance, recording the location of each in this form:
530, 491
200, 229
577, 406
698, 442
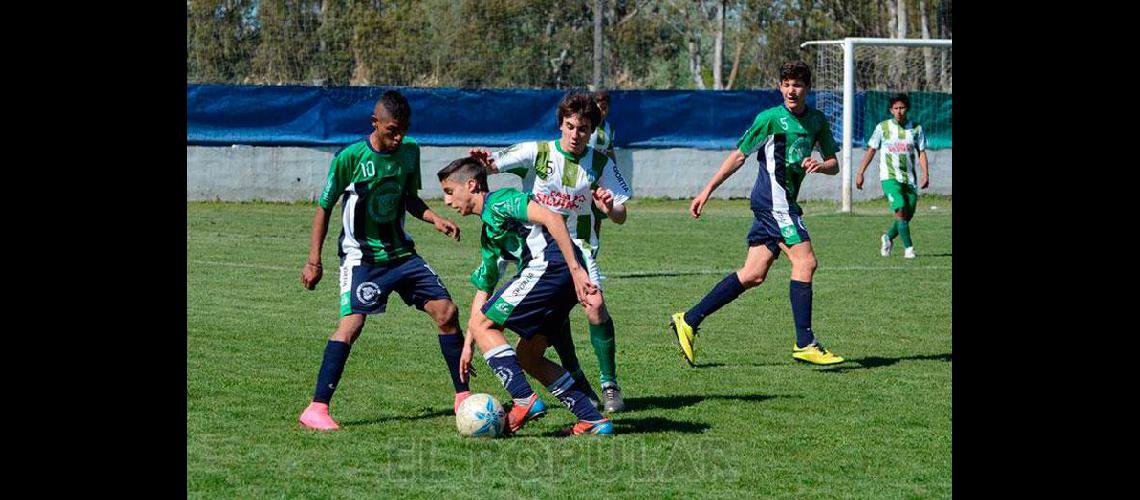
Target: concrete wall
243, 173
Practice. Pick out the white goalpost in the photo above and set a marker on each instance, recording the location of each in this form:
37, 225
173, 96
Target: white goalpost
873, 68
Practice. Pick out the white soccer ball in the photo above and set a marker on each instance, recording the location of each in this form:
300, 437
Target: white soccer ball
480, 415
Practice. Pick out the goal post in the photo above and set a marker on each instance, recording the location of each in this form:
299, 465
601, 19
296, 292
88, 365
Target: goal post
854, 77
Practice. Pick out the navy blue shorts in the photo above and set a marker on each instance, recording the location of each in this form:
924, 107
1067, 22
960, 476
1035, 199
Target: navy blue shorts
766, 230
364, 289
536, 301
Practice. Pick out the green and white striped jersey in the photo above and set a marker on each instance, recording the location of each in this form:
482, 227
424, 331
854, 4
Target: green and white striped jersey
564, 183
372, 187
603, 138
898, 147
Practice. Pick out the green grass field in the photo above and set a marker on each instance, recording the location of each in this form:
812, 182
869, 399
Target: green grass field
747, 422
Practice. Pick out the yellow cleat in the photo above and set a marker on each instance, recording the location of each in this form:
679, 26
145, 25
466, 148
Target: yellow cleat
685, 337
815, 354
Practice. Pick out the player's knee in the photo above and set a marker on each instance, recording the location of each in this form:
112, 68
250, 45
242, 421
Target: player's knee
348, 331
446, 317
751, 279
806, 263
901, 214
597, 314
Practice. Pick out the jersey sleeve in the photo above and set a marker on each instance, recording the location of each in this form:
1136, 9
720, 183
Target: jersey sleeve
613, 181
517, 159
876, 140
919, 138
340, 170
486, 276
415, 183
826, 141
755, 135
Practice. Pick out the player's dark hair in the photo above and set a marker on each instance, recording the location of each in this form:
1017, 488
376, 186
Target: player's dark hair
465, 168
602, 95
581, 104
905, 99
396, 105
796, 70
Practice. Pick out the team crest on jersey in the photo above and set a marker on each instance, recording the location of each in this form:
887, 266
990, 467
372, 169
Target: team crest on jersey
367, 293
383, 202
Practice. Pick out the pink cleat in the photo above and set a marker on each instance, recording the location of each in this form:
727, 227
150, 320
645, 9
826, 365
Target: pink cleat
316, 416
459, 397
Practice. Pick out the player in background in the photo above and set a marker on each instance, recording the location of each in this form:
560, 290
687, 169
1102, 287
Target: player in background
901, 141
782, 138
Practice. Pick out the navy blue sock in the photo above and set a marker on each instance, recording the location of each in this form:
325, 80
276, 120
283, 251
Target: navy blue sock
336, 354
724, 292
563, 344
800, 295
574, 399
505, 364
452, 347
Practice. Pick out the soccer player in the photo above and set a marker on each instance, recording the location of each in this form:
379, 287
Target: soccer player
569, 177
900, 139
782, 138
533, 304
376, 180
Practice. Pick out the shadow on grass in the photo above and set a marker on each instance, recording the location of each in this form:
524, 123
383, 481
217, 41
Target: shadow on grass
878, 362
656, 425
660, 274
937, 255
400, 418
681, 401
734, 365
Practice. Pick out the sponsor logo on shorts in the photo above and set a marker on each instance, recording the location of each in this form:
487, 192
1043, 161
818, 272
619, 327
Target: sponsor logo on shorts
367, 293
503, 307
521, 284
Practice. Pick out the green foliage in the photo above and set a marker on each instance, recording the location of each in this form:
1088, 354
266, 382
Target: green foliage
517, 43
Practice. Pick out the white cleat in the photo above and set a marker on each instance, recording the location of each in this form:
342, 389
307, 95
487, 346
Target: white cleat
885, 248
909, 253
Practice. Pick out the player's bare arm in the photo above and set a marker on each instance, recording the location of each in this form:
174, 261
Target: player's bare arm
604, 199
313, 271
420, 210
867, 157
731, 164
557, 228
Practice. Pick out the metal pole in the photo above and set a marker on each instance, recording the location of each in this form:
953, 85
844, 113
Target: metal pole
848, 113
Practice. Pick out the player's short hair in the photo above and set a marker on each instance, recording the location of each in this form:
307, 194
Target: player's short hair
465, 168
582, 104
602, 95
796, 70
396, 105
905, 99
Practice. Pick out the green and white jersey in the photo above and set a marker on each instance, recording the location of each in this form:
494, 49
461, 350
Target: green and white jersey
564, 183
602, 139
372, 187
898, 147
507, 235
781, 141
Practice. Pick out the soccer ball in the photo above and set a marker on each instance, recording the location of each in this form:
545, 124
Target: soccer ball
480, 415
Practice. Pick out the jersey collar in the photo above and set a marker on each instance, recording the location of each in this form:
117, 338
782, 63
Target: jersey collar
558, 146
